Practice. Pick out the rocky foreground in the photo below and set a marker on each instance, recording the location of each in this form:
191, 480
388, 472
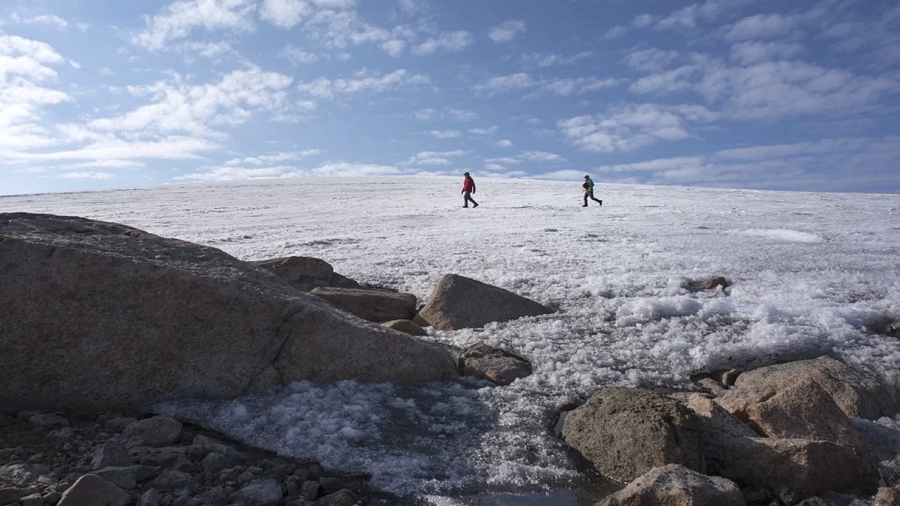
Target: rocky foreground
100, 319
111, 460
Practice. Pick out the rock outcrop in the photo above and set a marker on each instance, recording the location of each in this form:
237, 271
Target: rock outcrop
306, 273
626, 432
371, 305
99, 316
457, 302
857, 392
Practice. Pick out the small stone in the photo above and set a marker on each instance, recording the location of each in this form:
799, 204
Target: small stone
342, 497
32, 500
47, 420
91, 490
260, 492
112, 454
156, 431
309, 489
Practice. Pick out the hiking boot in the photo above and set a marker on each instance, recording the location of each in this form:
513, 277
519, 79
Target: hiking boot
475, 205
583, 205
601, 202
466, 206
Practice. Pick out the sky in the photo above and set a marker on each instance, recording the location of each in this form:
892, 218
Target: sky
809, 273
801, 95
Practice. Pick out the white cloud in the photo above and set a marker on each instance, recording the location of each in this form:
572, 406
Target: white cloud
344, 169
504, 143
625, 128
86, 175
273, 158
434, 158
543, 60
298, 55
24, 76
505, 83
760, 26
444, 134
507, 31
448, 41
758, 52
339, 27
491, 130
542, 156
196, 110
325, 88
285, 13
578, 85
43, 19
181, 18
651, 59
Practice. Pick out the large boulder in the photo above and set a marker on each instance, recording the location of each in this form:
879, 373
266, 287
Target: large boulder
372, 305
626, 432
305, 273
795, 469
104, 317
457, 302
675, 485
803, 410
858, 392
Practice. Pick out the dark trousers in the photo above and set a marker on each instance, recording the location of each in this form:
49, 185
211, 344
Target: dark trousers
467, 197
590, 194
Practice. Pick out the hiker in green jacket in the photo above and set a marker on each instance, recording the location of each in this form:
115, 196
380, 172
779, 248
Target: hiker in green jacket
589, 191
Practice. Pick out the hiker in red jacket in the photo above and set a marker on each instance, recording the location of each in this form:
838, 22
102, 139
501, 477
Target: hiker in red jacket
468, 190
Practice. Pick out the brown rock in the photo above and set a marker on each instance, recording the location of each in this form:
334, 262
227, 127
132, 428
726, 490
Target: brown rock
675, 485
493, 364
457, 302
372, 305
408, 326
858, 392
626, 432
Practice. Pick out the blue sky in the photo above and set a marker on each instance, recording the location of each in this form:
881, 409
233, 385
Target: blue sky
800, 95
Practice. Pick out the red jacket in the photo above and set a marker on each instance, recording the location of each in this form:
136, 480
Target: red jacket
469, 185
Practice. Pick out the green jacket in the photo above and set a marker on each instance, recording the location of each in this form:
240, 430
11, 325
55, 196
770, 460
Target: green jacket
588, 184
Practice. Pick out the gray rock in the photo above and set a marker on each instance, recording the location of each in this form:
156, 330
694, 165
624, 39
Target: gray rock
457, 302
626, 432
170, 480
493, 364
303, 273
160, 430
122, 477
858, 392
214, 462
149, 498
112, 453
91, 490
35, 499
340, 498
309, 489
372, 305
675, 485
119, 423
408, 326
210, 445
47, 420
123, 318
260, 492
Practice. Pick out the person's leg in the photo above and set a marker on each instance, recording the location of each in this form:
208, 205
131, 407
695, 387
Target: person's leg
595, 200
466, 199
585, 198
